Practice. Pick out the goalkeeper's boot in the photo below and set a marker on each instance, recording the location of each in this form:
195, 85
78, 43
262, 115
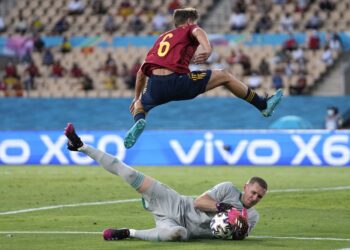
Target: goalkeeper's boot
74, 141
134, 133
272, 102
116, 234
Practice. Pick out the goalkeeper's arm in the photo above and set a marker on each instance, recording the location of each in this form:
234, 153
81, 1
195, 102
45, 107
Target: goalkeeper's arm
208, 204
205, 203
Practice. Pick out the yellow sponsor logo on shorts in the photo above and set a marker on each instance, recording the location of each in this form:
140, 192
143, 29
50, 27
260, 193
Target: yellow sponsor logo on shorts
197, 76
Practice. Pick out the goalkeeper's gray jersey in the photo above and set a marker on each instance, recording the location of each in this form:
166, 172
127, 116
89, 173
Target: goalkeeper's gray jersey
165, 204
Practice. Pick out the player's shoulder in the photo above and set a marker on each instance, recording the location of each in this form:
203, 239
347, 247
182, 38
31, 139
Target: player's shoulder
226, 188
228, 185
194, 27
187, 28
221, 186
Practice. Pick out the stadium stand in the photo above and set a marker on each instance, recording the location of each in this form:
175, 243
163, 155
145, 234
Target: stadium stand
299, 65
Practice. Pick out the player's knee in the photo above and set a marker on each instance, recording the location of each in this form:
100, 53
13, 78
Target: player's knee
178, 234
138, 104
174, 234
226, 75
223, 75
138, 108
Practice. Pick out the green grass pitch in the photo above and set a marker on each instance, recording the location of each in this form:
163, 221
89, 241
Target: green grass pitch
314, 216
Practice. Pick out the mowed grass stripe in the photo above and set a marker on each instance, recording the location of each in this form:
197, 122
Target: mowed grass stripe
136, 200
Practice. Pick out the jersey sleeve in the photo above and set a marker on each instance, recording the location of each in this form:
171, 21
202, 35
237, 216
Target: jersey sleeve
191, 28
253, 220
222, 192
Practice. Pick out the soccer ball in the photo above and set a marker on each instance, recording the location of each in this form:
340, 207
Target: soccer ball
220, 227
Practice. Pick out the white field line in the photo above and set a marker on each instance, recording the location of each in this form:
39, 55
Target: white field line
134, 200
309, 189
10, 233
68, 205
298, 238
47, 232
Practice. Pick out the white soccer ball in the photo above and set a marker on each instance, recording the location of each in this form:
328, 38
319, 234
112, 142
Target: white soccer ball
220, 227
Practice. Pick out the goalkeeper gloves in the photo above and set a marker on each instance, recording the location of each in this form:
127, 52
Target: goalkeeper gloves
240, 228
223, 207
237, 220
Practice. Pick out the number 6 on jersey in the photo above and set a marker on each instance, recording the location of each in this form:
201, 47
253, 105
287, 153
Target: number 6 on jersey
164, 45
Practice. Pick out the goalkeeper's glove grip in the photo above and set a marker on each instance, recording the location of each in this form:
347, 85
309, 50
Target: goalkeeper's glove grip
238, 235
240, 228
222, 207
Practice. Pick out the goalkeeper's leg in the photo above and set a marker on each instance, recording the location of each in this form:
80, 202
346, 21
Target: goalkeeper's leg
113, 165
117, 167
174, 233
166, 230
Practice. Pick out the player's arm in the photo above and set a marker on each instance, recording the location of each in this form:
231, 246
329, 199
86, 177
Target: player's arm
206, 203
211, 200
139, 85
206, 48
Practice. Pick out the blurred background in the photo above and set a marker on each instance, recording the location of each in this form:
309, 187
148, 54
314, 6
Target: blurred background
76, 61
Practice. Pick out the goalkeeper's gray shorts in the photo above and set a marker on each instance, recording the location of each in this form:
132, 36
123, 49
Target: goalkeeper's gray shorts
163, 201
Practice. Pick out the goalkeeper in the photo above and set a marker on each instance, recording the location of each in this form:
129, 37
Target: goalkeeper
178, 217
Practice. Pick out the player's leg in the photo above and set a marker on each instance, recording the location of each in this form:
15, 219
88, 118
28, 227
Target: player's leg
239, 89
176, 233
166, 230
154, 94
156, 196
163, 202
113, 165
136, 130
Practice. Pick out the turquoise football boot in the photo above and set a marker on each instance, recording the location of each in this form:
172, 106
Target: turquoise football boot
134, 133
272, 102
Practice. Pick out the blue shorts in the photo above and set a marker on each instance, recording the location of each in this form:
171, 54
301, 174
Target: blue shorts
174, 87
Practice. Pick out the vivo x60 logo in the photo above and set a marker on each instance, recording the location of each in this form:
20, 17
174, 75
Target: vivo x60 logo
334, 150
55, 150
292, 149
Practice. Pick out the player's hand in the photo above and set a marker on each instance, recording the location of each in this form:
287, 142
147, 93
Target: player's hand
240, 228
201, 57
223, 207
232, 215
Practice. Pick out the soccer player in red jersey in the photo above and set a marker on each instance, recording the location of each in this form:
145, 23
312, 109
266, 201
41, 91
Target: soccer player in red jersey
170, 79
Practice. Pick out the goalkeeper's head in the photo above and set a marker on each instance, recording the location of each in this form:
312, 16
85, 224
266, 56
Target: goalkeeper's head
254, 191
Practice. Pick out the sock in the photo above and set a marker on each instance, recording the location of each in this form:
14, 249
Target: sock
114, 166
139, 114
256, 100
132, 233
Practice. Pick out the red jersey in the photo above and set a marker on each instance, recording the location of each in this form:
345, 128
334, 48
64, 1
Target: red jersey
173, 50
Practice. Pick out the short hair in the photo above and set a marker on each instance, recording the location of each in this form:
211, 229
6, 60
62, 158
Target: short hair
182, 15
262, 183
